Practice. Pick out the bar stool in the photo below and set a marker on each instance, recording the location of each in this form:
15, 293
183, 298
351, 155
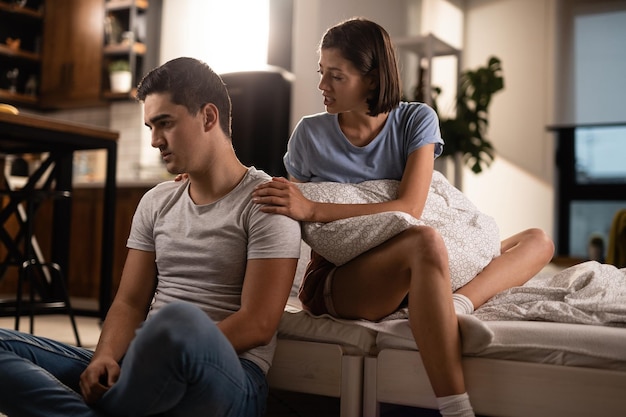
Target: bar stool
46, 281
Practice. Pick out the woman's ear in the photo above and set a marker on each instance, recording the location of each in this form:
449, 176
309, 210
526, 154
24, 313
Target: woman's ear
372, 78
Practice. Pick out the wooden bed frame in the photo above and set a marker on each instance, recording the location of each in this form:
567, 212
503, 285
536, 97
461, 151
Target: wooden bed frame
396, 375
320, 369
498, 387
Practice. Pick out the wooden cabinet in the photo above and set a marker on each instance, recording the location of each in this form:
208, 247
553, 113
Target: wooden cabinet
72, 53
21, 29
65, 48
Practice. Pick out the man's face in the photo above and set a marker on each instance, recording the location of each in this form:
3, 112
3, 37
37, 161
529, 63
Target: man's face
175, 132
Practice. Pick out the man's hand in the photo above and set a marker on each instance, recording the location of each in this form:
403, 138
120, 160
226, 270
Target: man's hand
97, 378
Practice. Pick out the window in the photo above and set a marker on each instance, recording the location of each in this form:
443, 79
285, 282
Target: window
228, 35
600, 153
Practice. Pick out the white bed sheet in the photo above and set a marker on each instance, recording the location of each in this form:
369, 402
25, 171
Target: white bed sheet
539, 342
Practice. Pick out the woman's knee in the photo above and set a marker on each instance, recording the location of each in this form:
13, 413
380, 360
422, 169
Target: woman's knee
423, 238
423, 244
539, 239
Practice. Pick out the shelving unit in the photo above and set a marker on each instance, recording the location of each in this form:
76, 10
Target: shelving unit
426, 48
127, 38
25, 26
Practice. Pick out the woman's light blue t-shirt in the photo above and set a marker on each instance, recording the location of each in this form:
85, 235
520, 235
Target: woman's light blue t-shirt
319, 151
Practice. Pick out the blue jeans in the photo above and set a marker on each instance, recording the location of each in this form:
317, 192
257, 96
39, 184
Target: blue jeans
179, 364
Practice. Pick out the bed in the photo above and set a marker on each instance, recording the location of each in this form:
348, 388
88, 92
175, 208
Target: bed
516, 363
553, 347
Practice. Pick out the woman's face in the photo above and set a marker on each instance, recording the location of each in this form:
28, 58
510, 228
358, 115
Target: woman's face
344, 88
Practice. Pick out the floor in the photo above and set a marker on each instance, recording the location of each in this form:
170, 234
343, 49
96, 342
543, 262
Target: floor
287, 404
280, 403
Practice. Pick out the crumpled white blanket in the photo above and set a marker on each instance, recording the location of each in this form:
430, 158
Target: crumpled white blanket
587, 293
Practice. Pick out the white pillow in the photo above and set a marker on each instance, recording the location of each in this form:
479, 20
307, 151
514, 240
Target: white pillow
472, 238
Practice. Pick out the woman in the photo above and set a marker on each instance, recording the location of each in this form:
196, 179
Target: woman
364, 122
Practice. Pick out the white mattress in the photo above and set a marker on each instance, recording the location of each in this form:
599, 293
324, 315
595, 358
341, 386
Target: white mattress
529, 341
297, 324
540, 342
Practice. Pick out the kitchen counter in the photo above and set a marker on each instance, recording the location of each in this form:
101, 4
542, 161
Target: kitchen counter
125, 183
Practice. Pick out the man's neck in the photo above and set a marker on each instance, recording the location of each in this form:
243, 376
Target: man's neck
210, 186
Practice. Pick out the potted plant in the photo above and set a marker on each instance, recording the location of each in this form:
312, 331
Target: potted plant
120, 76
465, 133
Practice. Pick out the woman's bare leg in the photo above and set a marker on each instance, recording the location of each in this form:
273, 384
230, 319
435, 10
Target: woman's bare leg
415, 262
523, 256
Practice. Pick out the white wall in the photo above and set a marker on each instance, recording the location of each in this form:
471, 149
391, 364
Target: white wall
311, 19
517, 190
228, 35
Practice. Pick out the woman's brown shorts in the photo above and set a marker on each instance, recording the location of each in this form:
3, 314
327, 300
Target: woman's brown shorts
315, 290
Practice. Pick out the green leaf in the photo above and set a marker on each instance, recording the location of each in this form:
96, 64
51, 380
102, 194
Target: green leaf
466, 132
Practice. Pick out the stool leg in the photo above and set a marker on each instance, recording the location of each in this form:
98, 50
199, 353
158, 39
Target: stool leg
22, 277
18, 300
52, 268
32, 303
26, 275
66, 298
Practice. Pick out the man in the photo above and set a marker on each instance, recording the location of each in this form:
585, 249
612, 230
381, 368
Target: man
191, 330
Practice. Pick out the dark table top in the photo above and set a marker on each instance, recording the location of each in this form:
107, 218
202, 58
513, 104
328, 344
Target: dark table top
24, 133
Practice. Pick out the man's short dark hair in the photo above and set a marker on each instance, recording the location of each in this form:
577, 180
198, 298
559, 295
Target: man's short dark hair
190, 83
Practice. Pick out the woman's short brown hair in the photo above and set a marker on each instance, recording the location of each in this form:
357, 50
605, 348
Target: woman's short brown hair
368, 47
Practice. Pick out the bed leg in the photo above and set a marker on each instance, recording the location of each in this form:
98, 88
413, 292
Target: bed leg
371, 406
351, 386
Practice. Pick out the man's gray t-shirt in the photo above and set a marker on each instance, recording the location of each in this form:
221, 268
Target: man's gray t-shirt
201, 250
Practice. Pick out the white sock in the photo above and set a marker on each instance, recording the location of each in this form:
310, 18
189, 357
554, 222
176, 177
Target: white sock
455, 406
462, 304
